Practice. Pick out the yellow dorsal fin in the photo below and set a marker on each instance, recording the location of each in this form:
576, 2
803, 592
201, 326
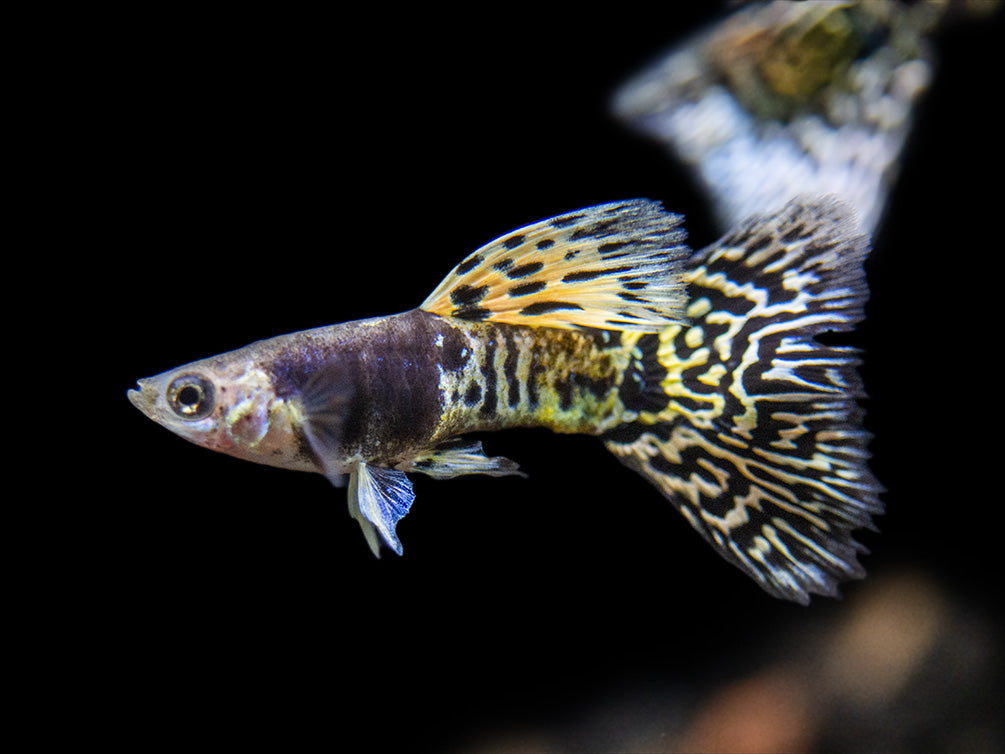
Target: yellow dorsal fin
615, 266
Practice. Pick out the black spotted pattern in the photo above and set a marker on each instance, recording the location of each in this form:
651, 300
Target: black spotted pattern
758, 440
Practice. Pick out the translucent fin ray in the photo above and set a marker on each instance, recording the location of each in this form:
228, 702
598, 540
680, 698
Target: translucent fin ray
458, 457
325, 401
378, 499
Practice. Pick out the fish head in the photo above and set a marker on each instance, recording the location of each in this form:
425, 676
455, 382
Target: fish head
224, 404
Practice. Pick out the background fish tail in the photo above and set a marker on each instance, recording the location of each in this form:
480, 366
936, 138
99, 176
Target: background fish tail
744, 420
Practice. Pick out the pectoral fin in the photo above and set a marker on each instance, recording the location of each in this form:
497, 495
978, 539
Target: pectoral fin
378, 499
460, 456
326, 398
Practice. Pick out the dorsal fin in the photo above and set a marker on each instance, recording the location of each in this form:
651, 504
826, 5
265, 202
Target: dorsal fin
615, 266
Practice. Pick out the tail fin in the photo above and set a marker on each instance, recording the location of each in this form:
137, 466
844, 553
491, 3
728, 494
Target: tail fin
744, 420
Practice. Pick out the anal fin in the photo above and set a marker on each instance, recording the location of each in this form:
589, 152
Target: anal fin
458, 457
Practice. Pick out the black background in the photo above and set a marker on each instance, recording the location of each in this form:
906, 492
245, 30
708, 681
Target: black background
249, 175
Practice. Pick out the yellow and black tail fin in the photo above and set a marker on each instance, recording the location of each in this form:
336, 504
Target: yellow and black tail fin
745, 421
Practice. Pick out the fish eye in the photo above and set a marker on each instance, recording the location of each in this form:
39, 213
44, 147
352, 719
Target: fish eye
190, 396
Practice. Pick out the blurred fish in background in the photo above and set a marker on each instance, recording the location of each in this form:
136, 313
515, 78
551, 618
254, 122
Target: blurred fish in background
786, 98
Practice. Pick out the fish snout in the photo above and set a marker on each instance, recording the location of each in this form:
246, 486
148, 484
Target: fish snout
143, 397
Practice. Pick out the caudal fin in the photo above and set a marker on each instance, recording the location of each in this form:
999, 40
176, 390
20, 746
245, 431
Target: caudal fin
744, 420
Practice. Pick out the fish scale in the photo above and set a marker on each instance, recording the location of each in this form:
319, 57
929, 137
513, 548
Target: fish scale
517, 376
699, 371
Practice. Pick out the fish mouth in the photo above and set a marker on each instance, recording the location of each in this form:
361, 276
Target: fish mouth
142, 397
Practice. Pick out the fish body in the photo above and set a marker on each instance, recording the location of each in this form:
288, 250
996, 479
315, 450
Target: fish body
403, 384
699, 371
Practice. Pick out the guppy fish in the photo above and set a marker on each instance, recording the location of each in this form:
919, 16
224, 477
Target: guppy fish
786, 97
700, 371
